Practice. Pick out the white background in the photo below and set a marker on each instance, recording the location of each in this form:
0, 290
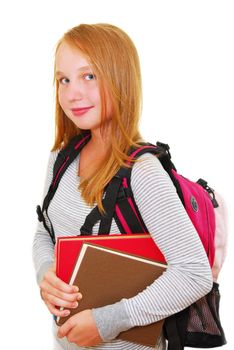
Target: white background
187, 56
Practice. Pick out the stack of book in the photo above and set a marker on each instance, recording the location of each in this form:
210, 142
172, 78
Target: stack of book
109, 268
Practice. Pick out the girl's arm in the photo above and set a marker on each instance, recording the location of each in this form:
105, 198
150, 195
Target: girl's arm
188, 276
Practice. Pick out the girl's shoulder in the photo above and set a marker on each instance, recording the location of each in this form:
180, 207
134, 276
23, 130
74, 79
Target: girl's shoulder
52, 157
50, 164
146, 163
148, 172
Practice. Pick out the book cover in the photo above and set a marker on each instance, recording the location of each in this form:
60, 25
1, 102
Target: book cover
68, 248
105, 276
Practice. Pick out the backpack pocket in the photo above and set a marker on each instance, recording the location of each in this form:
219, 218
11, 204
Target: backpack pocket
204, 329
198, 325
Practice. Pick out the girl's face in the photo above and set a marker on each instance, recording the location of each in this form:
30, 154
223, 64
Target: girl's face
78, 91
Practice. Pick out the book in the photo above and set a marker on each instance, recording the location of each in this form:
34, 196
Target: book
68, 248
106, 276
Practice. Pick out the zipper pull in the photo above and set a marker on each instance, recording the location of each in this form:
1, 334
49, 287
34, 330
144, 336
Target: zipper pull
210, 191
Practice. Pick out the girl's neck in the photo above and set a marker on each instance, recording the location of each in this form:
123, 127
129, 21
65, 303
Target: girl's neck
99, 142
93, 154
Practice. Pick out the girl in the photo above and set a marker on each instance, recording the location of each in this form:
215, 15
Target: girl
98, 88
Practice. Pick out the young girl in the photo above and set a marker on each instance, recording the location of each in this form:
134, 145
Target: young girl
98, 88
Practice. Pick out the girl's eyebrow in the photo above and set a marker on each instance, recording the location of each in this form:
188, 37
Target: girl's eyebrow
79, 69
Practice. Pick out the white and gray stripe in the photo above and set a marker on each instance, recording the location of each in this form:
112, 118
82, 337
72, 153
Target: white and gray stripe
188, 276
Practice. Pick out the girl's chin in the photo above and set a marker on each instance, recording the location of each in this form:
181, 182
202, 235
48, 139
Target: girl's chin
87, 126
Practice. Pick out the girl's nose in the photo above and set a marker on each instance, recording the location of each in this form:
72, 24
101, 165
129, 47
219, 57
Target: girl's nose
75, 91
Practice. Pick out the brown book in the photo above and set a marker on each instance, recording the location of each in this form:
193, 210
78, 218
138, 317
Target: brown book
105, 276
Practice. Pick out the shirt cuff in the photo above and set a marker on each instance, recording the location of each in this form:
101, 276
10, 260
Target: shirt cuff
40, 273
111, 320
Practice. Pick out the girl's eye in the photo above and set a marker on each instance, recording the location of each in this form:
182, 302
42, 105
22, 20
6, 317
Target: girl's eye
89, 76
63, 81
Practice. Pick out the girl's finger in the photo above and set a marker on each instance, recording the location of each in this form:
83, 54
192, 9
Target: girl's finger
56, 311
49, 298
56, 282
49, 289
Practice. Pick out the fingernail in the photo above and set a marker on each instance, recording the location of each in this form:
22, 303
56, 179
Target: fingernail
75, 304
79, 296
76, 289
66, 313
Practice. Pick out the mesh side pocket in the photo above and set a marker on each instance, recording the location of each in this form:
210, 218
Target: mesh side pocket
204, 329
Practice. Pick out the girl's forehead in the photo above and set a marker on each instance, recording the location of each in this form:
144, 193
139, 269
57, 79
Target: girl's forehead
67, 55
69, 51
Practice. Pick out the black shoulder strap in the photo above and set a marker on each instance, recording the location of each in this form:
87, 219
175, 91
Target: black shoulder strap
65, 157
126, 205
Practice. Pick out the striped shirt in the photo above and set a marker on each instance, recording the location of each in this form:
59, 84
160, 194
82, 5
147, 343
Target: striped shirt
188, 276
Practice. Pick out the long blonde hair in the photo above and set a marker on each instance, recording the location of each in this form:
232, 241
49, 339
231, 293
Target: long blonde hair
116, 63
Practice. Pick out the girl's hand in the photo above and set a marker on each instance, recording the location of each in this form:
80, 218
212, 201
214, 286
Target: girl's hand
81, 329
55, 292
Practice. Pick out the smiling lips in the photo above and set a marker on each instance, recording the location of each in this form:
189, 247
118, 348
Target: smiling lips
77, 112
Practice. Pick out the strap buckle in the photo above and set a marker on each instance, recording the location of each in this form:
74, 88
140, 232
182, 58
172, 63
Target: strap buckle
165, 147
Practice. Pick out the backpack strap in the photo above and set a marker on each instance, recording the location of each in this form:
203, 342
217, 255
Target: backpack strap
108, 202
65, 157
127, 215
161, 150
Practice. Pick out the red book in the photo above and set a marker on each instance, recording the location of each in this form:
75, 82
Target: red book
68, 249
